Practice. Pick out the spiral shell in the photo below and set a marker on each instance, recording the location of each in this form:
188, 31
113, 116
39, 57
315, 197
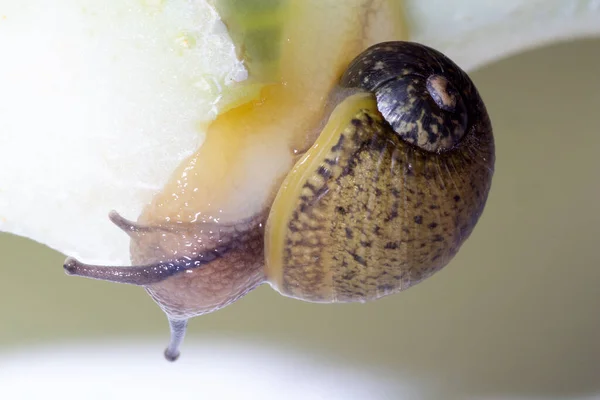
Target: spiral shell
392, 187
416, 90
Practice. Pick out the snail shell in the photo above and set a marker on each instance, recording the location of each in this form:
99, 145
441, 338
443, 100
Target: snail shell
386, 195
391, 188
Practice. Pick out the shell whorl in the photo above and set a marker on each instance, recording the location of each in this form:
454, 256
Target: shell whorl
393, 186
416, 93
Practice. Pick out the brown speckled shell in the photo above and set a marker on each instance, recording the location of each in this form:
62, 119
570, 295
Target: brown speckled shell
422, 94
380, 213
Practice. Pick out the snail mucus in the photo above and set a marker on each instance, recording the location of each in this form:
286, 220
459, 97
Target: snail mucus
395, 177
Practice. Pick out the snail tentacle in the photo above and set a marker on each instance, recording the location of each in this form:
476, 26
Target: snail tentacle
178, 329
134, 228
140, 275
127, 226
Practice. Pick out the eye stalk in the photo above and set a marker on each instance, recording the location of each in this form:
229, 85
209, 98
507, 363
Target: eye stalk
139, 275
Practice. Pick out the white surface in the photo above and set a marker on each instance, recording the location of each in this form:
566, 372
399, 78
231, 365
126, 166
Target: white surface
210, 371
216, 370
474, 33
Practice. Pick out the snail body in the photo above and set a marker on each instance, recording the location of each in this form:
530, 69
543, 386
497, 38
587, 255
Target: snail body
395, 177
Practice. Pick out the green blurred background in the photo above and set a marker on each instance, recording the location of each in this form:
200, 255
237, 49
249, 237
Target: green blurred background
515, 313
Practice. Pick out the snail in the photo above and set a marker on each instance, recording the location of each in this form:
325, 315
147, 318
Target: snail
393, 182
